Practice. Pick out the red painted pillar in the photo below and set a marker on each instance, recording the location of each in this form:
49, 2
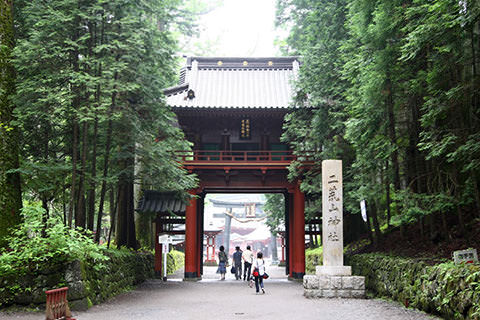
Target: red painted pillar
191, 246
291, 231
298, 233
158, 249
213, 247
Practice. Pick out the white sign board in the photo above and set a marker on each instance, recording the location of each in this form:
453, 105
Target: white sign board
465, 256
164, 238
363, 209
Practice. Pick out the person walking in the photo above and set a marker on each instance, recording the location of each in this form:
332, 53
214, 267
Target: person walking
222, 262
237, 263
258, 272
247, 257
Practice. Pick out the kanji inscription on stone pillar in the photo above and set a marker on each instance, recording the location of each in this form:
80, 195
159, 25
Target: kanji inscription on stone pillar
332, 219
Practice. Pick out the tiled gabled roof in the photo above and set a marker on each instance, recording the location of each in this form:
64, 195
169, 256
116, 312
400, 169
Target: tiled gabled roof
235, 83
161, 203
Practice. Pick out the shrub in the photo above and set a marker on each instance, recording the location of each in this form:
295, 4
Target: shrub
313, 258
175, 261
36, 243
447, 289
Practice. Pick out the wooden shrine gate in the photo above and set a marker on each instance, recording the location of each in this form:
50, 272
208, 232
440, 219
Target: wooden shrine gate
244, 172
232, 110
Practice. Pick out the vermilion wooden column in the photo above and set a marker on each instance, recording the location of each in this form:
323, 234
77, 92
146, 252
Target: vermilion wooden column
298, 233
291, 231
199, 256
191, 246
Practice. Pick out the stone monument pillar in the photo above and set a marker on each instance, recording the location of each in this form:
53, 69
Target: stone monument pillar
333, 279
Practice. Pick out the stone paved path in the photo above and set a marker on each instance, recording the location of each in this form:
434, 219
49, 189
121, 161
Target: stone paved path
230, 300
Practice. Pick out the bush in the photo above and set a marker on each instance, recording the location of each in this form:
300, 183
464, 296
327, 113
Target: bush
447, 289
175, 261
35, 243
313, 258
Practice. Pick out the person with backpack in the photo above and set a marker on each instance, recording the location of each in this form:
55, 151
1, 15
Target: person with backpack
222, 262
259, 272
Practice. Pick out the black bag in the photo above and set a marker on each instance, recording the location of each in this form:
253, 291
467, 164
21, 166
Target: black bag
265, 276
233, 270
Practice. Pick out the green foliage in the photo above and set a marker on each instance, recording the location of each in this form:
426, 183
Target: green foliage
37, 243
124, 269
446, 289
313, 258
391, 88
10, 192
89, 103
175, 261
275, 209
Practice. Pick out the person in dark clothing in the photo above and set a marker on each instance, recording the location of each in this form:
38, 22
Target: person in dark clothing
237, 263
222, 263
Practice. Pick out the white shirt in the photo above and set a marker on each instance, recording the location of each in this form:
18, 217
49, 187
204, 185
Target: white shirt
247, 256
260, 264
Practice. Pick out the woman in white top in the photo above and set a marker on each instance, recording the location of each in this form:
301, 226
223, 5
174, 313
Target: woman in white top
259, 268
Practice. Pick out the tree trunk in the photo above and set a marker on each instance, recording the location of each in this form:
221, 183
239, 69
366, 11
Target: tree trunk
369, 227
93, 173
121, 223
81, 210
75, 107
387, 192
474, 105
477, 196
310, 236
113, 215
376, 225
104, 180
392, 133
73, 190
125, 208
107, 149
461, 220
93, 184
10, 191
273, 244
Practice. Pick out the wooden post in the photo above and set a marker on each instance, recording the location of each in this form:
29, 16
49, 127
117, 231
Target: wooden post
291, 224
298, 233
191, 246
158, 249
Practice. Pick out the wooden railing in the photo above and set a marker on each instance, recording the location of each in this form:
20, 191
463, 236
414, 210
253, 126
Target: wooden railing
57, 304
214, 156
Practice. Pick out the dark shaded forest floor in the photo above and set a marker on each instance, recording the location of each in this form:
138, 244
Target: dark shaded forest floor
431, 245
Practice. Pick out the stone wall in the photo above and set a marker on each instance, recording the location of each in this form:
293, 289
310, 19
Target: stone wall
451, 291
88, 283
323, 286
122, 271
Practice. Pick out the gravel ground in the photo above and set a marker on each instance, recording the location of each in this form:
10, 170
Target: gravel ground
230, 299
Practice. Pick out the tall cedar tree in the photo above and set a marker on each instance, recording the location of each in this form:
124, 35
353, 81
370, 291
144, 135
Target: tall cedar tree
395, 91
90, 75
10, 193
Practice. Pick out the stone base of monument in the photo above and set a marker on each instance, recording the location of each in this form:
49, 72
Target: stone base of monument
334, 282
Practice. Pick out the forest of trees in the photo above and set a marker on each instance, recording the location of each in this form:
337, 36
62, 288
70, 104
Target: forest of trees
393, 86
81, 108
395, 89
